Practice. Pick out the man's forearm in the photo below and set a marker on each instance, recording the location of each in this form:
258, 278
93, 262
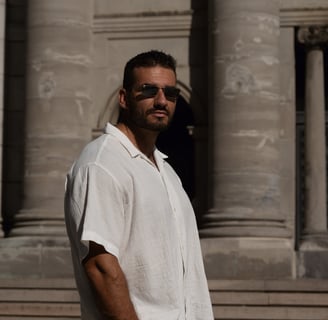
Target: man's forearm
113, 297
109, 284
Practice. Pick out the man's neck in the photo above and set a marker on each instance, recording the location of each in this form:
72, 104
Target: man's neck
142, 139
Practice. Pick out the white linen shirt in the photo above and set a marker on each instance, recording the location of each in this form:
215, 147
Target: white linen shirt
116, 197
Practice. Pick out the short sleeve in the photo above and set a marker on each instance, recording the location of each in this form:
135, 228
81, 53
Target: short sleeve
102, 208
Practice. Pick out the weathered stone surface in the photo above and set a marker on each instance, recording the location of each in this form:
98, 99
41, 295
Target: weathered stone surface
35, 258
245, 121
248, 258
58, 103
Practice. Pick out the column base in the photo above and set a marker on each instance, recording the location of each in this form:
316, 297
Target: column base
35, 257
248, 258
38, 222
313, 256
246, 228
217, 224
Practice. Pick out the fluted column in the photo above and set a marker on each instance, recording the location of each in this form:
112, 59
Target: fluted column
2, 51
57, 108
315, 220
245, 125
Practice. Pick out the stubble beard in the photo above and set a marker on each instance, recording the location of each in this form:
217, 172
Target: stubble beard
158, 125
142, 120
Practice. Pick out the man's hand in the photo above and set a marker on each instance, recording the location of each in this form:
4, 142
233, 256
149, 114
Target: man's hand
109, 284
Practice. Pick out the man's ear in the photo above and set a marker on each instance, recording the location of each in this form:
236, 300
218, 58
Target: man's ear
122, 98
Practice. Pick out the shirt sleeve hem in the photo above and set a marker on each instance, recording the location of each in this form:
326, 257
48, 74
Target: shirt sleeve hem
92, 236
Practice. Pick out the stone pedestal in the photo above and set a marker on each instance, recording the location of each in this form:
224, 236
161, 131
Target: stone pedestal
247, 258
312, 257
35, 257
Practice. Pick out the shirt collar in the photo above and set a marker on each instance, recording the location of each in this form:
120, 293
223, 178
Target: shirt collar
128, 145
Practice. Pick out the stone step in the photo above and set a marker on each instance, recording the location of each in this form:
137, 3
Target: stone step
41, 295
34, 318
57, 299
270, 299
43, 299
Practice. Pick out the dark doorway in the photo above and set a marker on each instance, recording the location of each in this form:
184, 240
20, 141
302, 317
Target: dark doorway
178, 144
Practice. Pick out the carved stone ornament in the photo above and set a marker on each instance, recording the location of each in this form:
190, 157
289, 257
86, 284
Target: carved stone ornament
313, 36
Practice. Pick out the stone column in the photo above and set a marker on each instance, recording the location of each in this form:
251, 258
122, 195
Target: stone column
315, 219
245, 125
59, 65
2, 51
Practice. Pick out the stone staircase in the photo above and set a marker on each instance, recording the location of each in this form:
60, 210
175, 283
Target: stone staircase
57, 299
42, 299
270, 299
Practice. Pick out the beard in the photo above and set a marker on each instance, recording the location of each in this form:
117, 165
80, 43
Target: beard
147, 119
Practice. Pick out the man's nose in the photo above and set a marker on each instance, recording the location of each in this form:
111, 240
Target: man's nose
160, 97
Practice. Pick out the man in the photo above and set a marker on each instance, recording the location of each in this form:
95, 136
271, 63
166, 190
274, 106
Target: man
134, 239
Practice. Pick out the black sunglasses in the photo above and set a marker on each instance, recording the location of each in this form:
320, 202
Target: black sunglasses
150, 91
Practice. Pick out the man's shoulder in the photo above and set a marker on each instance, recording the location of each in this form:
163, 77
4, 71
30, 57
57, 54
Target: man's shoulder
103, 151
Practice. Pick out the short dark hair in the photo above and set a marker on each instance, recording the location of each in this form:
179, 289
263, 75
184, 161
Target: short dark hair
150, 58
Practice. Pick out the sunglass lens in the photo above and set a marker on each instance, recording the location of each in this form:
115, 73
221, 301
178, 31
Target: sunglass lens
149, 91
171, 92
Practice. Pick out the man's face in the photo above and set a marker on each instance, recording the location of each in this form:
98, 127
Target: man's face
147, 106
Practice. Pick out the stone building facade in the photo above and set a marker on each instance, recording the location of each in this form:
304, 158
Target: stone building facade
250, 124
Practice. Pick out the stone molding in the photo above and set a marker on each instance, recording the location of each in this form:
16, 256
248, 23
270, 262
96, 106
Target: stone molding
178, 24
304, 4
143, 26
303, 17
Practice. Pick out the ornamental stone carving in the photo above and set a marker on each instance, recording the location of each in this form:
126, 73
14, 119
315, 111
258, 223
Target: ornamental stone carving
313, 36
